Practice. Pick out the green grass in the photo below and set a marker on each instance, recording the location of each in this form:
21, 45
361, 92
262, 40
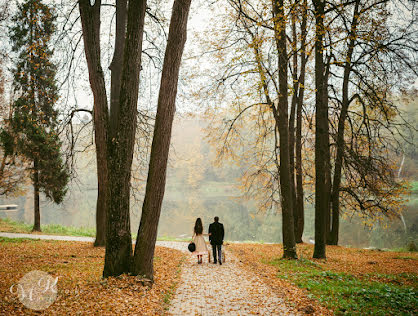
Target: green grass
10, 226
169, 294
414, 187
169, 238
16, 240
346, 294
49, 229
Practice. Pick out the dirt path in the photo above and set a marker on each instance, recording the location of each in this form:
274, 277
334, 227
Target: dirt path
208, 289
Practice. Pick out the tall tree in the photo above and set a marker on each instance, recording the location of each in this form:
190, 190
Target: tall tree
282, 124
321, 133
154, 193
115, 131
90, 20
335, 208
372, 59
299, 207
120, 142
34, 120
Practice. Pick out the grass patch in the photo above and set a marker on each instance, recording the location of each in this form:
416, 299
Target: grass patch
7, 225
17, 240
169, 238
55, 229
347, 294
414, 187
168, 295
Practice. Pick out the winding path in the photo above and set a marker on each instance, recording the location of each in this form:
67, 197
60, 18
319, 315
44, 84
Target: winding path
209, 289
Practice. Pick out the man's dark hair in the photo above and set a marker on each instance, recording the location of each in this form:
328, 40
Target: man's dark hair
216, 219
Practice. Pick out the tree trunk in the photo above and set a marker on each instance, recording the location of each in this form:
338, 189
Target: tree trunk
36, 208
154, 194
117, 61
299, 207
90, 21
102, 174
118, 257
293, 116
289, 245
327, 158
335, 197
321, 120
100, 240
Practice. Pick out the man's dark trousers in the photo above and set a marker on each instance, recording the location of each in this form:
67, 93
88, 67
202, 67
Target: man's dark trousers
217, 249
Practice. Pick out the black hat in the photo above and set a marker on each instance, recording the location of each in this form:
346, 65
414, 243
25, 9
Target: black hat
192, 247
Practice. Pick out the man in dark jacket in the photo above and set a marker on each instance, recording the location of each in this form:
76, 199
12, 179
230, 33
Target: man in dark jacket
216, 238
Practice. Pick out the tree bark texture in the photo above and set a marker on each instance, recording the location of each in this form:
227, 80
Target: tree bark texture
299, 207
102, 174
293, 115
289, 245
327, 157
335, 197
36, 208
321, 120
154, 193
117, 61
90, 21
118, 257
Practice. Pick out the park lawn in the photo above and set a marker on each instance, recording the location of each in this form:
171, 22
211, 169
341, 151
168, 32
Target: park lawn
9, 226
81, 289
349, 281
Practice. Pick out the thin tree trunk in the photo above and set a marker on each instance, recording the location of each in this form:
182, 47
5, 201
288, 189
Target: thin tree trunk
154, 193
118, 257
335, 197
36, 208
299, 208
321, 200
327, 158
293, 117
289, 244
90, 21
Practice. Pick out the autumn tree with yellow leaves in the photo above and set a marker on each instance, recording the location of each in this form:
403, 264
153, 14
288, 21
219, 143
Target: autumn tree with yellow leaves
356, 49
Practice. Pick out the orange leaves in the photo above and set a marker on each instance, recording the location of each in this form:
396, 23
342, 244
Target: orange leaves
384, 267
80, 287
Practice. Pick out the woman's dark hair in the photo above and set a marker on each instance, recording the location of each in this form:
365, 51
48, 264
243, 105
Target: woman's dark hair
198, 227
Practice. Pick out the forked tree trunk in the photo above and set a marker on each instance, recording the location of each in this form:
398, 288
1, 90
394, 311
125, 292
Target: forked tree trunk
102, 174
36, 208
289, 245
154, 193
118, 257
321, 120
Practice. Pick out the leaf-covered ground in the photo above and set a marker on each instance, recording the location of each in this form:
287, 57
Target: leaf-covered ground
81, 290
354, 281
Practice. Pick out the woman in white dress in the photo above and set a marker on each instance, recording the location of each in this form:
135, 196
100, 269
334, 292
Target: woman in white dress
199, 240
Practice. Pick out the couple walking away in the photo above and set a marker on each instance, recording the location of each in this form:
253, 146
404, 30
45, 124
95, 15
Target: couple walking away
216, 238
